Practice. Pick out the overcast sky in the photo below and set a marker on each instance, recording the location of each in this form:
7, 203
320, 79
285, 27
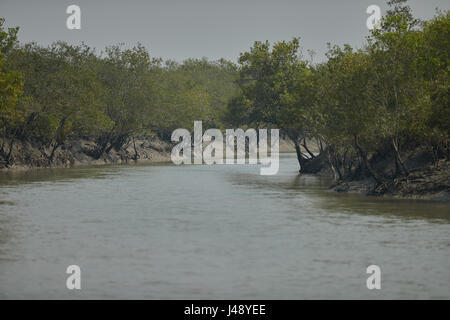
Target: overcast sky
179, 29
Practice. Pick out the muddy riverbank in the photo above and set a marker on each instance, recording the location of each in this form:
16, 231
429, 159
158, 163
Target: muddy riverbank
26, 155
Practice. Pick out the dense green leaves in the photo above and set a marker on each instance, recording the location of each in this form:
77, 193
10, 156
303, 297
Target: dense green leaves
70, 92
380, 99
11, 89
391, 94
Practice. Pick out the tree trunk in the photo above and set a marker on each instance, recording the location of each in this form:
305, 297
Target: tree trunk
136, 156
398, 158
307, 150
52, 154
299, 155
334, 164
366, 162
7, 155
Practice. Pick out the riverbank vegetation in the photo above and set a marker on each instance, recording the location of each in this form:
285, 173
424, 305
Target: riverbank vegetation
50, 95
377, 112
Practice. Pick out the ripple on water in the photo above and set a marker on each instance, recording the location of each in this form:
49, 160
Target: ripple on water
213, 232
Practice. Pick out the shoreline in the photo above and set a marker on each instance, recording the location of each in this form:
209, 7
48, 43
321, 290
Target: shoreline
429, 183
75, 153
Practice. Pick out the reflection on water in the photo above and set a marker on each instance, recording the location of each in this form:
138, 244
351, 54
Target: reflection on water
164, 231
53, 174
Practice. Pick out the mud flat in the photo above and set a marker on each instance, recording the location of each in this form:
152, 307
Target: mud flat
26, 155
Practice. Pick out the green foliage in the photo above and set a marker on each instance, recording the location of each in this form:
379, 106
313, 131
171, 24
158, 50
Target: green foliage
70, 92
61, 92
276, 87
360, 103
11, 82
392, 94
435, 64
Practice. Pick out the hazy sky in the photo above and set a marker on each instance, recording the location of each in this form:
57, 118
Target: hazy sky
179, 29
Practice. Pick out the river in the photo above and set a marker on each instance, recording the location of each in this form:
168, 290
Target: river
213, 232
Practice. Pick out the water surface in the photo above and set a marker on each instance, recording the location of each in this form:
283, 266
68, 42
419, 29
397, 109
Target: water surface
213, 232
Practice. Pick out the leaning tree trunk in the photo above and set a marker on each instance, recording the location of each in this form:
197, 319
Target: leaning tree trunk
332, 159
301, 160
6, 155
398, 157
363, 156
307, 150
